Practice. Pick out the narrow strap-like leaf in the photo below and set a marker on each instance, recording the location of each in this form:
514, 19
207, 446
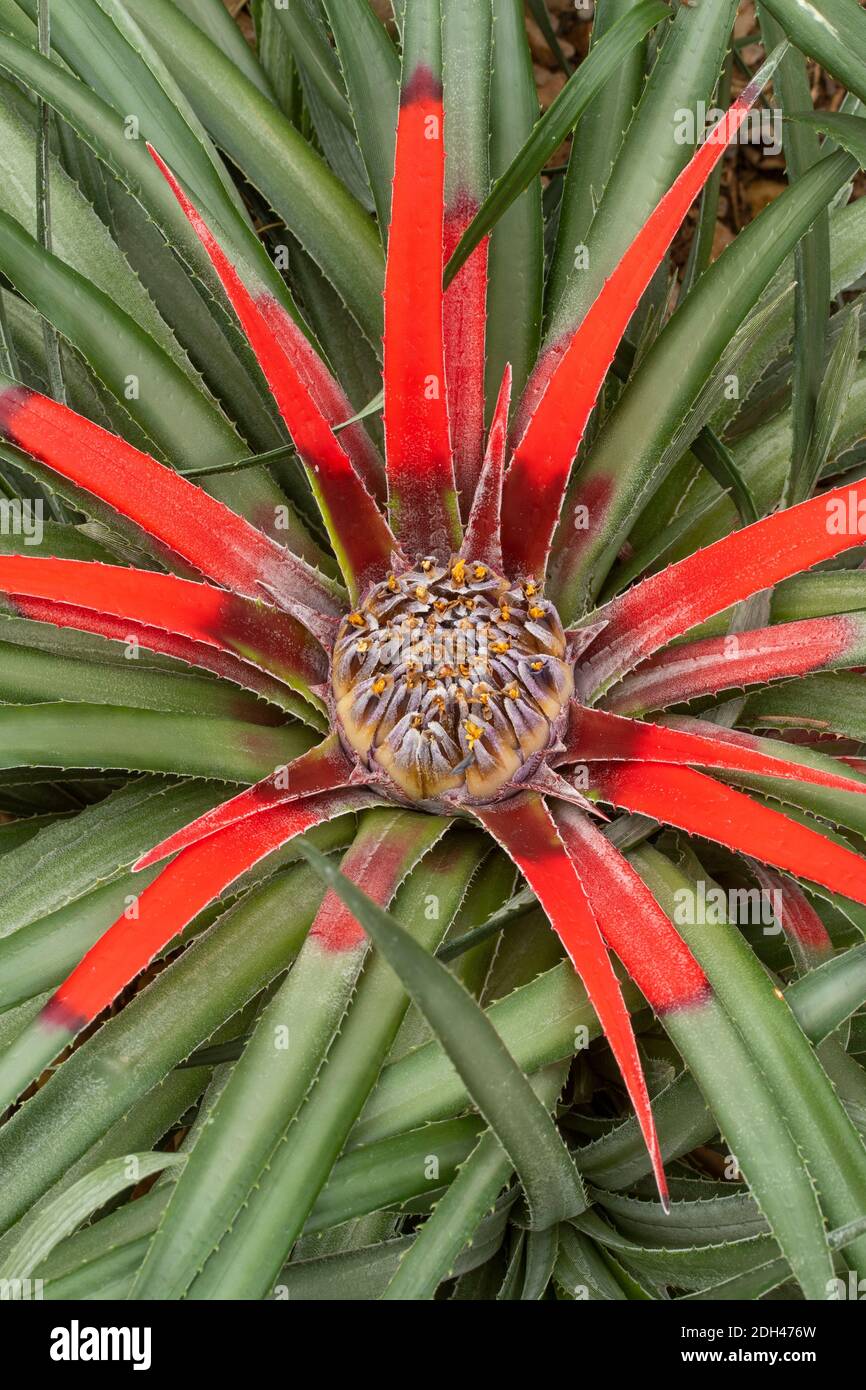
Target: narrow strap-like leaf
527, 833
324, 768
535, 483
270, 1083
632, 923
667, 604
738, 659
497, 1085
482, 540
189, 883
210, 537
701, 806
596, 735
421, 487
466, 54
360, 534
214, 659
267, 637
638, 927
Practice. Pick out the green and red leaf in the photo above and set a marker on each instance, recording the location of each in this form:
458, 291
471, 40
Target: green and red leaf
527, 833
668, 604
574, 368
304, 392
421, 487
698, 804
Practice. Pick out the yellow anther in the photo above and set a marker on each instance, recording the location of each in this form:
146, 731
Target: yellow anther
464, 668
379, 684
500, 646
512, 693
362, 644
473, 732
417, 721
426, 566
458, 571
480, 572
536, 665
357, 619
530, 589
504, 610
440, 605
421, 593
536, 612
392, 582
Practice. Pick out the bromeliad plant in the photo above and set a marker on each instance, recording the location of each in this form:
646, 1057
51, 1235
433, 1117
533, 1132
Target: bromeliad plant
457, 649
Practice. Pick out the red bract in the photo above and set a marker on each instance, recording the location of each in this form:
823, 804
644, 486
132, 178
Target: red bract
500, 729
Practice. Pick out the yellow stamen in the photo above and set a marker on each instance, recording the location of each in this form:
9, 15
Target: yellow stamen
473, 732
379, 684
480, 571
536, 612
357, 620
458, 571
501, 646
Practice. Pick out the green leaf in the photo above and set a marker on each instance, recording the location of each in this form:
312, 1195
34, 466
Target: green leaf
516, 256
720, 463
331, 226
827, 702
636, 434
597, 139
133, 1051
250, 1256
174, 412
314, 56
831, 31
75, 735
555, 124
824, 1135
832, 401
101, 42
812, 260
65, 1214
653, 151
828, 995
459, 1212
371, 72
104, 131
278, 1067
66, 860
497, 1085
215, 21
78, 236
35, 677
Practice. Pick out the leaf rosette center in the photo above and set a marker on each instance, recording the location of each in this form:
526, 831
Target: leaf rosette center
451, 681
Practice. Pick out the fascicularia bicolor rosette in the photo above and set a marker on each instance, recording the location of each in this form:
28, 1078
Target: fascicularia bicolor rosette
435, 672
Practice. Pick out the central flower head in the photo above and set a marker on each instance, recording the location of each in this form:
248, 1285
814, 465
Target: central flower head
451, 681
